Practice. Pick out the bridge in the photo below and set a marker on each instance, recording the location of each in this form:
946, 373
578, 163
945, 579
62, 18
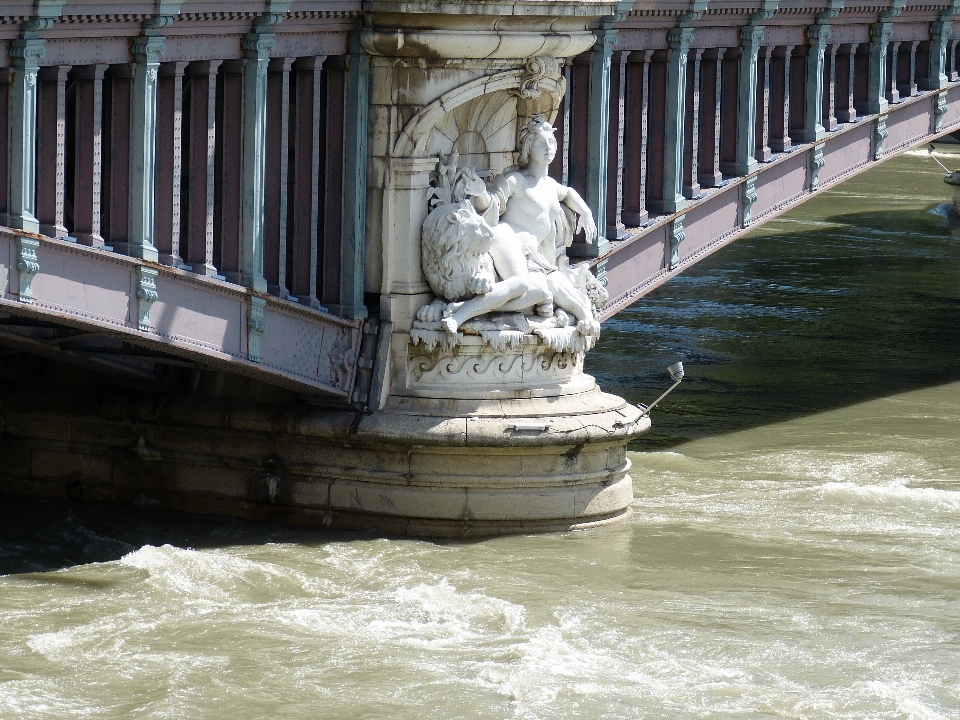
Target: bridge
210, 244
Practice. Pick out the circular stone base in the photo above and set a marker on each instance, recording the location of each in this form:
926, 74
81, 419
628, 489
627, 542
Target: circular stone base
468, 467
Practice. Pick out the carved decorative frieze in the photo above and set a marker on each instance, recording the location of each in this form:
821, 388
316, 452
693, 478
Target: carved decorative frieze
27, 267
256, 325
677, 236
879, 135
146, 295
749, 198
816, 165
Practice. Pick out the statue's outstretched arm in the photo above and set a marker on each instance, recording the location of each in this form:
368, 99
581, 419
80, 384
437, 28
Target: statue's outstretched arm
571, 198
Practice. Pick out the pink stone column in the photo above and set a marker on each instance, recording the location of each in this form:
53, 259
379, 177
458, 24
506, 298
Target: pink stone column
52, 149
88, 154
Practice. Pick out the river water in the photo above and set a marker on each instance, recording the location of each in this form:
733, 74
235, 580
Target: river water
795, 550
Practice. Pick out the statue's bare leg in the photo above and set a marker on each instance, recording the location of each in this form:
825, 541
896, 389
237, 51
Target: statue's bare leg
566, 296
503, 296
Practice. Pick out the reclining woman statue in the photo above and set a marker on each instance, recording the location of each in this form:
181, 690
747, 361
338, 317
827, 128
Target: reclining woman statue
531, 229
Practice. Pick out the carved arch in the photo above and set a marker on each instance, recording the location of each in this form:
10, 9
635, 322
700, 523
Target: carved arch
538, 87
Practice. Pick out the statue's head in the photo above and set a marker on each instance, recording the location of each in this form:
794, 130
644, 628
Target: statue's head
536, 139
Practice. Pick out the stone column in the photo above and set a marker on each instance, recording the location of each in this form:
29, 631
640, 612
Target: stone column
750, 38
830, 90
25, 55
952, 61
709, 174
763, 154
679, 40
277, 174
199, 177
598, 136
635, 139
228, 190
257, 46
845, 110
614, 220
813, 130
780, 132
147, 51
52, 149
893, 91
306, 184
909, 88
691, 154
88, 154
169, 159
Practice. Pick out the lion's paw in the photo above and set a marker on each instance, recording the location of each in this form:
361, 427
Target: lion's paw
589, 327
481, 284
431, 313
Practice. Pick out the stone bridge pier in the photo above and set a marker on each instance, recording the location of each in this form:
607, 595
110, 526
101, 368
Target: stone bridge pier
339, 262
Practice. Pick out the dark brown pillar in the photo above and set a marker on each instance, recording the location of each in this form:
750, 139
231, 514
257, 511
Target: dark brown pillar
893, 69
618, 89
228, 190
304, 206
729, 111
169, 163
277, 166
780, 99
830, 89
846, 79
115, 210
691, 143
333, 123
637, 103
710, 113
88, 154
199, 166
763, 154
5, 78
52, 149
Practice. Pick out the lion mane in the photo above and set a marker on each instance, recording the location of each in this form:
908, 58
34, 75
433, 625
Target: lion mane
455, 248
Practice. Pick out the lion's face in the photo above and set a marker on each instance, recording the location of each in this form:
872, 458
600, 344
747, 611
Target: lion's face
476, 235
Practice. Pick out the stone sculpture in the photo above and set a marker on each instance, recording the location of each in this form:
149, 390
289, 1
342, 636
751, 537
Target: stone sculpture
494, 254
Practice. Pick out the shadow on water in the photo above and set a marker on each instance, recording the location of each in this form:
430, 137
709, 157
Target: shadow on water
802, 316
38, 536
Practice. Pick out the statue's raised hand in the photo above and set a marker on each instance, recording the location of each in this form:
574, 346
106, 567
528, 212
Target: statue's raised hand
586, 223
481, 284
472, 183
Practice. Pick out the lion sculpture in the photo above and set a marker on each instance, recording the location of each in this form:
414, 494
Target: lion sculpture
455, 252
